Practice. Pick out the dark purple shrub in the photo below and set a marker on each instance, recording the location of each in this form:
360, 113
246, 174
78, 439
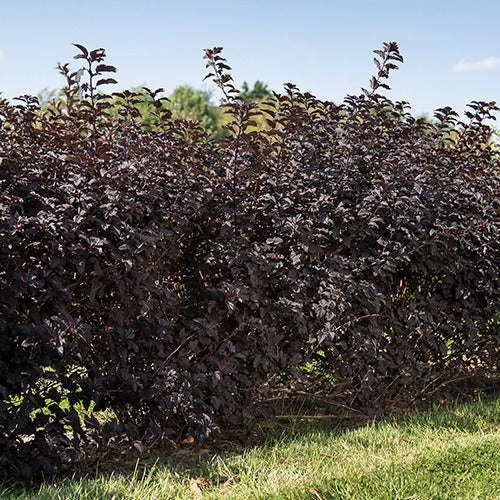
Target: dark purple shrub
174, 279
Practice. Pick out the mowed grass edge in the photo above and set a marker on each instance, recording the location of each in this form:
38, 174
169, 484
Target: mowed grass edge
447, 453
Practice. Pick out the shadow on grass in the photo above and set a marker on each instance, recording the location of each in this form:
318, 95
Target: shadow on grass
194, 461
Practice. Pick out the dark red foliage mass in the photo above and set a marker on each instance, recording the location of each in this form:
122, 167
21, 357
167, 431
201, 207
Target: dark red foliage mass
173, 278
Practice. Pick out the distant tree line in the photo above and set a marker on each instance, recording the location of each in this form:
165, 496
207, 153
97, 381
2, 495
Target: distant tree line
188, 103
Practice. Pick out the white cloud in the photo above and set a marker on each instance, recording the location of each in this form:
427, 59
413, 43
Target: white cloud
2, 56
483, 65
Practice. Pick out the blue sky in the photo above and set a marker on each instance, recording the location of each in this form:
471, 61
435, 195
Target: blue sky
451, 48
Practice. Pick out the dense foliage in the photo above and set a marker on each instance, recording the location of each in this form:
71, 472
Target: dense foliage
173, 279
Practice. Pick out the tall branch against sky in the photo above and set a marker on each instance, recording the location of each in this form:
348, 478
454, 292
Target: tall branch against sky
451, 47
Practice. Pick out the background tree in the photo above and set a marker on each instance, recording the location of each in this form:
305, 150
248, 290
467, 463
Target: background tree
259, 91
46, 96
187, 103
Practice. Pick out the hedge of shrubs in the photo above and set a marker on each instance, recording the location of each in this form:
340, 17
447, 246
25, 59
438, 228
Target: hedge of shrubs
171, 279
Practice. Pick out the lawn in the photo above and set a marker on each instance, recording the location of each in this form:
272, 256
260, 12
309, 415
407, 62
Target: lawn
449, 452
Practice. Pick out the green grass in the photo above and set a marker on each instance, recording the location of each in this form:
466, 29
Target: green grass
447, 453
